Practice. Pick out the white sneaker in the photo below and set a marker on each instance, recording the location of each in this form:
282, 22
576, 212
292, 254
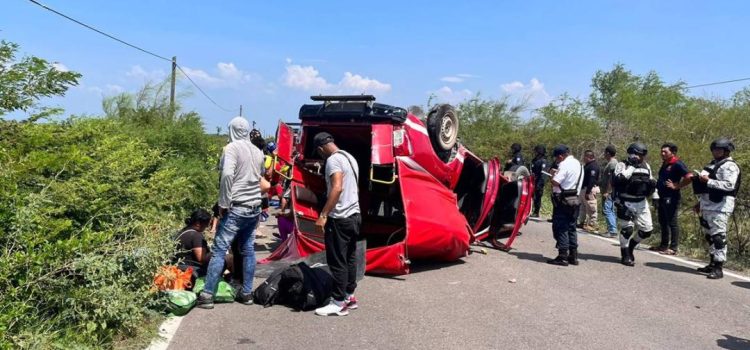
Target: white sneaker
332, 309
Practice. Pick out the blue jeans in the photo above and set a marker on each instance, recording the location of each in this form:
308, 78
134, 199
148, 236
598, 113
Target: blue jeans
608, 208
238, 224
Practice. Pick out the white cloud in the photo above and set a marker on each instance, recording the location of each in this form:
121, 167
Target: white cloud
200, 76
452, 79
107, 90
533, 92
458, 78
229, 71
60, 67
308, 78
358, 84
512, 86
113, 89
139, 73
446, 94
304, 78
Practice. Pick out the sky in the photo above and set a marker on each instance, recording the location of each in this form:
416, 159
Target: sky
270, 57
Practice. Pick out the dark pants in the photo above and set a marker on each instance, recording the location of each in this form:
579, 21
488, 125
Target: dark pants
670, 228
341, 245
538, 193
564, 227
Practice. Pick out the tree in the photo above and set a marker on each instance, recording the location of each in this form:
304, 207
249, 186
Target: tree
23, 82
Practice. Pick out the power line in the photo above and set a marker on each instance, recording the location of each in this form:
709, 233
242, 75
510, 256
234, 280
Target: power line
130, 45
717, 83
99, 31
201, 90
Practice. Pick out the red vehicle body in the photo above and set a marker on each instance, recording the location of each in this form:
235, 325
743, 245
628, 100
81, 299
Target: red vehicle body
415, 204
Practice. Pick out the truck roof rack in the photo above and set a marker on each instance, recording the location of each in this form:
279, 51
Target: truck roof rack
343, 98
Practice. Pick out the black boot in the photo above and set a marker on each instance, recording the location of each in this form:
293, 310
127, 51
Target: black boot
708, 268
573, 257
631, 248
717, 272
560, 260
626, 259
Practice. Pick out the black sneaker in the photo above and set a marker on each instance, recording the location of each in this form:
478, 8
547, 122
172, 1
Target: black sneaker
205, 301
246, 299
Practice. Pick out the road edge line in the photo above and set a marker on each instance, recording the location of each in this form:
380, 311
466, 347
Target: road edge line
167, 330
675, 258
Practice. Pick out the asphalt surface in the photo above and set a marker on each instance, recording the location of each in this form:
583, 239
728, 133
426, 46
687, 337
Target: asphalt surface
505, 300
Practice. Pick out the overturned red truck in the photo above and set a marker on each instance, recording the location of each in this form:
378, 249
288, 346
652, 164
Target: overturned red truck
423, 195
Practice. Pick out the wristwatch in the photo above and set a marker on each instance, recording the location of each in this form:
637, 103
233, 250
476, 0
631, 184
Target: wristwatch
324, 216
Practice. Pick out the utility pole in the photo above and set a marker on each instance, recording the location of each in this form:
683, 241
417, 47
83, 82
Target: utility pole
240, 110
174, 79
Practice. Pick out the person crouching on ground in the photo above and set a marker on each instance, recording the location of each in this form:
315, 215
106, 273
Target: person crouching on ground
566, 186
240, 191
192, 248
340, 220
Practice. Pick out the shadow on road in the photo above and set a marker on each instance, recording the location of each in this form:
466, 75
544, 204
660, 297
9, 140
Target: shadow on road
741, 284
423, 266
733, 343
529, 256
597, 257
672, 267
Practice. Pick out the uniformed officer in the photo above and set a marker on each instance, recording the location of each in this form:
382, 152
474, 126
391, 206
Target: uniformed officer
633, 183
538, 164
717, 187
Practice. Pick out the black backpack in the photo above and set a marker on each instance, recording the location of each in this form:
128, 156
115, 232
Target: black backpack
267, 294
304, 287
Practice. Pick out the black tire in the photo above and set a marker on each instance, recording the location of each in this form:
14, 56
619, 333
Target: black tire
442, 127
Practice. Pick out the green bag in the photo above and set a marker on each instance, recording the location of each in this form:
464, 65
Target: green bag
179, 302
224, 291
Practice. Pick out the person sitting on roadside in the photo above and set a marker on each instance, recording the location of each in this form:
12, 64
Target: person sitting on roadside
192, 246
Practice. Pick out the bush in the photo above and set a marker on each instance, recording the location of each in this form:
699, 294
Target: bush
88, 207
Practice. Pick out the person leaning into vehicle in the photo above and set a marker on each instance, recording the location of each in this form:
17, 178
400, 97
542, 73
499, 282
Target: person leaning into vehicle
587, 220
566, 186
340, 220
240, 190
538, 165
605, 185
717, 186
673, 175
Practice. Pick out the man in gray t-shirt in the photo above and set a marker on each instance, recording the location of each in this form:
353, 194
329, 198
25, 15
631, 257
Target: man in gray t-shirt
340, 220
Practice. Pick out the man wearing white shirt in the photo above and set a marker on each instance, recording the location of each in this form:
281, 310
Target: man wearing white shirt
566, 186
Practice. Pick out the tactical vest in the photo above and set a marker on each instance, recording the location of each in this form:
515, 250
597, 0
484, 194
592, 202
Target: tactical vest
714, 194
638, 186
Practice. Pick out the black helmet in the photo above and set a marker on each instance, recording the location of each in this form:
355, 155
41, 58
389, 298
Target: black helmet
637, 148
540, 149
515, 148
723, 143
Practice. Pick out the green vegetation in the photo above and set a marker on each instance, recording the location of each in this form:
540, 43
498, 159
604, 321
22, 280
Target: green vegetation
88, 205
87, 208
624, 107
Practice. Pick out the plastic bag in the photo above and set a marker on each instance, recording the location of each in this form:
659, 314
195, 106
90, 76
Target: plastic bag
224, 291
172, 278
179, 302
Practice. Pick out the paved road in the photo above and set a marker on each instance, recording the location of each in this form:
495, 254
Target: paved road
600, 304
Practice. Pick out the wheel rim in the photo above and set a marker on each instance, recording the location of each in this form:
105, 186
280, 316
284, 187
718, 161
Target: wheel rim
446, 130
